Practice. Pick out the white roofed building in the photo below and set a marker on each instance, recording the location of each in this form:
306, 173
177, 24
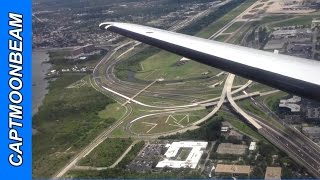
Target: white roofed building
192, 159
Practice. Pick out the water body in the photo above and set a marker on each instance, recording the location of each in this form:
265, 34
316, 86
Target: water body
39, 83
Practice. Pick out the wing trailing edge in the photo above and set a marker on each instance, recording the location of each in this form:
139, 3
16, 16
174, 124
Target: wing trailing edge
291, 74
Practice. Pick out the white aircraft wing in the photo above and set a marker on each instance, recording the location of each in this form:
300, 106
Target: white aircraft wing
291, 74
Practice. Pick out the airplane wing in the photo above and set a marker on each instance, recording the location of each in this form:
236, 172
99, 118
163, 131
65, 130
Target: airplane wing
291, 74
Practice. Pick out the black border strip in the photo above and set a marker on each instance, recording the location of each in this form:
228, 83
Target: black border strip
288, 84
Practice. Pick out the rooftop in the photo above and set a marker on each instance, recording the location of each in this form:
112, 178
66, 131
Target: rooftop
291, 103
273, 173
313, 113
311, 130
253, 146
232, 169
192, 159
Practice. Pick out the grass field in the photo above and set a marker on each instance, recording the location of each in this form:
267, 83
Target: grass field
184, 152
239, 81
164, 65
114, 111
66, 121
299, 20
215, 26
166, 122
273, 101
106, 153
239, 35
222, 38
259, 87
235, 26
249, 106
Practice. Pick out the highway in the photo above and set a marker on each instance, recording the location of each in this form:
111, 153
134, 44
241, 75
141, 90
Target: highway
105, 80
250, 119
296, 150
302, 151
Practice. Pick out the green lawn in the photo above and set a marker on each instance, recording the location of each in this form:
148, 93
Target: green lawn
114, 110
272, 101
249, 106
164, 64
259, 87
164, 123
184, 153
235, 26
299, 20
221, 38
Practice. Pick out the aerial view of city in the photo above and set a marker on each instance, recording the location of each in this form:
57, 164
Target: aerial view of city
112, 99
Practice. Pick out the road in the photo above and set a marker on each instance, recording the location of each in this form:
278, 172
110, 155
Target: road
250, 119
112, 166
96, 142
220, 32
121, 91
294, 144
114, 82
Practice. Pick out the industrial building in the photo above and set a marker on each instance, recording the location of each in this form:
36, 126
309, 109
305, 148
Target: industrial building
234, 170
273, 173
291, 33
291, 104
174, 150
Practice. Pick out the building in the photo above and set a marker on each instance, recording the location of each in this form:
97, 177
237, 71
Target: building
224, 129
315, 23
291, 33
234, 170
253, 146
273, 173
291, 104
313, 113
312, 132
278, 44
229, 148
192, 160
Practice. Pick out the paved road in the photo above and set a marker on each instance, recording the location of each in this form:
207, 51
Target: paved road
250, 119
220, 32
133, 88
284, 137
96, 142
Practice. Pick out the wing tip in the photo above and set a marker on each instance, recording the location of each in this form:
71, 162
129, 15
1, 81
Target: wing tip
106, 25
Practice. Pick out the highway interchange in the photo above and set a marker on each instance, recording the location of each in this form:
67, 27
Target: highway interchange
295, 144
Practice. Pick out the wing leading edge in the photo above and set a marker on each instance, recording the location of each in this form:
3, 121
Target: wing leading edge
292, 74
